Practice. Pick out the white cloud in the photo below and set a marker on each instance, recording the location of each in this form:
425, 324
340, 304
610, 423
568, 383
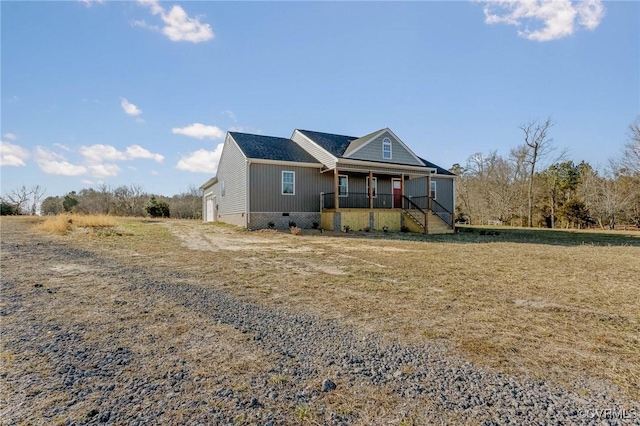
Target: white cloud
55, 164
552, 19
591, 13
178, 25
12, 155
154, 173
103, 170
244, 129
143, 24
97, 154
97, 160
10, 136
88, 3
199, 131
229, 114
201, 161
129, 108
136, 151
62, 146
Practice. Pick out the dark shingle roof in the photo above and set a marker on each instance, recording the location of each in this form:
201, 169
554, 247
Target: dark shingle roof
271, 148
439, 169
335, 144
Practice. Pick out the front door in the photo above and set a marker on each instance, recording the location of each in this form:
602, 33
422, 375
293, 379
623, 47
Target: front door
397, 193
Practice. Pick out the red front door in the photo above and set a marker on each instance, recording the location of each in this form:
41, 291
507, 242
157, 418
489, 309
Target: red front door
397, 193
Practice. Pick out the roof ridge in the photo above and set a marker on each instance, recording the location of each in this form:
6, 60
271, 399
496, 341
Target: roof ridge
325, 133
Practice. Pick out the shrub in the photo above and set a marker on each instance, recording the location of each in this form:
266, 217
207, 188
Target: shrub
61, 224
157, 208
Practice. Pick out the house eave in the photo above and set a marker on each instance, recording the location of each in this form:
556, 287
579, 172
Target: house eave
209, 183
283, 163
346, 162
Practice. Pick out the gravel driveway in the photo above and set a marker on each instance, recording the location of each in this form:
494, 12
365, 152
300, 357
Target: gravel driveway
91, 340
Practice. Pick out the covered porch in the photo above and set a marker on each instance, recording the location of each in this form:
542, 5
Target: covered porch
383, 199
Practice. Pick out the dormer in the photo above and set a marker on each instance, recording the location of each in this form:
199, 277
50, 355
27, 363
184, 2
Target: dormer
382, 146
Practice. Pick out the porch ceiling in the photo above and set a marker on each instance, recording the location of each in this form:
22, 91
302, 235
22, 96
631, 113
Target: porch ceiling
395, 171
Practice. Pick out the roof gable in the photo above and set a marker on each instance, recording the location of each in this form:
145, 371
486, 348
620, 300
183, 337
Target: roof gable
358, 143
271, 148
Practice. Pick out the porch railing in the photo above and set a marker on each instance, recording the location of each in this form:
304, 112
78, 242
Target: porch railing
360, 200
357, 200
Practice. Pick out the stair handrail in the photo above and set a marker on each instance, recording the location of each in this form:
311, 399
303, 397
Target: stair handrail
416, 207
411, 203
444, 210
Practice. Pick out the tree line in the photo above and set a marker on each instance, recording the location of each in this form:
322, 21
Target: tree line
123, 200
534, 185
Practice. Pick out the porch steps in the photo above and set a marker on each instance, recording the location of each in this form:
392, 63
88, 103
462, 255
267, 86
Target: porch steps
436, 224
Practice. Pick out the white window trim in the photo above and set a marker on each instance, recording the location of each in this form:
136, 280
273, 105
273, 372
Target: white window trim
346, 193
387, 142
375, 187
434, 189
282, 183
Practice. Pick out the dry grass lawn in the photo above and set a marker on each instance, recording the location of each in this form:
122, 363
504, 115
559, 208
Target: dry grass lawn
555, 305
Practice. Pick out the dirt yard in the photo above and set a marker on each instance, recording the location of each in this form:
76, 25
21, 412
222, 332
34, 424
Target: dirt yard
177, 322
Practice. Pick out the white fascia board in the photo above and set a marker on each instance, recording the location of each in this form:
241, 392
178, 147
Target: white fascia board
283, 163
310, 140
209, 183
347, 161
230, 138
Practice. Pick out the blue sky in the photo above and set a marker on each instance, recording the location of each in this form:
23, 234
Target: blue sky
143, 92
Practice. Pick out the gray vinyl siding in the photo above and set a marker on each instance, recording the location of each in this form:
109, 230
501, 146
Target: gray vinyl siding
320, 154
232, 170
358, 183
373, 152
444, 190
266, 188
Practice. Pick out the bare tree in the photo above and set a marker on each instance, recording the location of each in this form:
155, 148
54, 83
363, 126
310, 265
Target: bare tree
538, 145
37, 192
19, 197
631, 153
604, 195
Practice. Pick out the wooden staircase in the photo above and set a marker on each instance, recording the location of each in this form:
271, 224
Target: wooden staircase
414, 219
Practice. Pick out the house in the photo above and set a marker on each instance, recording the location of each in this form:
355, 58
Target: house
331, 181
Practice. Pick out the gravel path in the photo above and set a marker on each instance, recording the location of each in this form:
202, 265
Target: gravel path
59, 368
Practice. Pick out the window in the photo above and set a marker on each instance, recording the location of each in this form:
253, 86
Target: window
288, 183
375, 187
386, 148
433, 189
343, 185
222, 188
